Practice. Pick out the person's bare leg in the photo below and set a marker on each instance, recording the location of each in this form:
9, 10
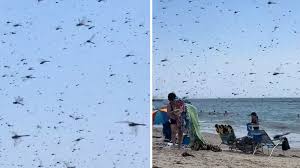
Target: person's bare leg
180, 138
174, 131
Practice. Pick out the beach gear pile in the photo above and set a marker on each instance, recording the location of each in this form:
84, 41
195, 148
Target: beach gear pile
256, 139
197, 141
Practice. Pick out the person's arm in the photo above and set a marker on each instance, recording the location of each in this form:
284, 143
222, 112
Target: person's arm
171, 113
168, 109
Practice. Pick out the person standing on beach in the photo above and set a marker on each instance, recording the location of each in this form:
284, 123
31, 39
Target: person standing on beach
174, 109
167, 128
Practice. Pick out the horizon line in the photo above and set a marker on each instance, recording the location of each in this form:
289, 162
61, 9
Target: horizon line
234, 98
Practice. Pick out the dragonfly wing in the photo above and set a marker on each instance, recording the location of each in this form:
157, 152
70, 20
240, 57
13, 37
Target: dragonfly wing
17, 141
93, 36
126, 122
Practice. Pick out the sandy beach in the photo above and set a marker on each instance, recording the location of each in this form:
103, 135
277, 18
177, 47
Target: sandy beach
166, 157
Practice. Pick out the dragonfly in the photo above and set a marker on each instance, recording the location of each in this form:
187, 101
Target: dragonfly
81, 22
132, 125
19, 100
43, 61
17, 138
68, 165
90, 40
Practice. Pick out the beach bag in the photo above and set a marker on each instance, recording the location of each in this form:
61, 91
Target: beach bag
285, 144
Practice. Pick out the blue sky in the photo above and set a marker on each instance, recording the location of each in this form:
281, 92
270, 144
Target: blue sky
94, 82
226, 48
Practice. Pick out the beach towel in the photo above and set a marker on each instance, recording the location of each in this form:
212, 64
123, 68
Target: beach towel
197, 141
194, 126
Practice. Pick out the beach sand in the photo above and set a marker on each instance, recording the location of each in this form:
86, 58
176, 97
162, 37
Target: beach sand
166, 157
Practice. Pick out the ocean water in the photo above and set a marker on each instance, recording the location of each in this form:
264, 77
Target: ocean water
276, 115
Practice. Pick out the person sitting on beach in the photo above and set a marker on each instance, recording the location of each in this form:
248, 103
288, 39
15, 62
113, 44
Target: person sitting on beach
253, 125
174, 109
254, 121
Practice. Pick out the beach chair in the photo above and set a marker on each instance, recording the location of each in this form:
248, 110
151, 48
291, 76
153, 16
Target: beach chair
244, 144
262, 139
227, 135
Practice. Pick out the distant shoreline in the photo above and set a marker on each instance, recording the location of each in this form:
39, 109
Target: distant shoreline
162, 99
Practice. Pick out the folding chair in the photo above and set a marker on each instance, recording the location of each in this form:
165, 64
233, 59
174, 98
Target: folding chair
265, 140
227, 138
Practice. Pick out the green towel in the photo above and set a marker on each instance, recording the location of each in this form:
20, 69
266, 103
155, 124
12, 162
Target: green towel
194, 128
197, 140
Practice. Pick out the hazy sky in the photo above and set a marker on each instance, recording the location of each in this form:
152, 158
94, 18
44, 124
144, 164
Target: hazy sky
82, 91
217, 48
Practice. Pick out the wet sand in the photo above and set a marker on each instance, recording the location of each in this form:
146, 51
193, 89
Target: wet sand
166, 157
